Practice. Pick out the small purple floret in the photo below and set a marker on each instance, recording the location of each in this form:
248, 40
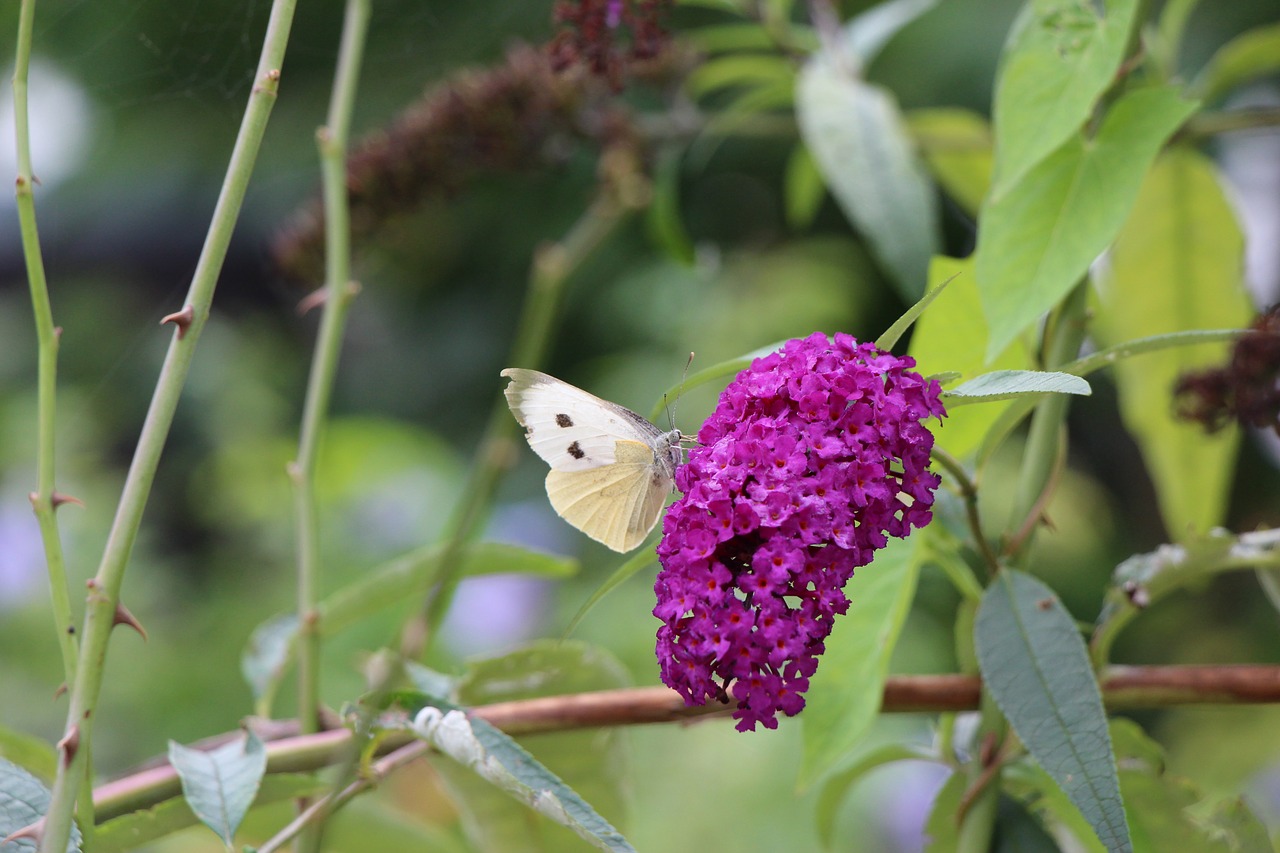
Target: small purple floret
812, 458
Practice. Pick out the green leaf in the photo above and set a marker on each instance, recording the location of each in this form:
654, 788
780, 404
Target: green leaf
503, 763
266, 658
871, 30
1166, 43
642, 559
942, 828
835, 788
1026, 781
725, 38
1018, 832
846, 692
132, 830
743, 70
957, 147
952, 336
1060, 57
1248, 56
1176, 266
221, 784
860, 142
665, 225
271, 646
29, 752
1143, 579
1037, 240
24, 799
1035, 666
803, 189
592, 763
889, 338
1007, 384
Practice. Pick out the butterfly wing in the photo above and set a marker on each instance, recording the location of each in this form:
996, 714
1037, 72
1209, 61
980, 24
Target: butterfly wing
617, 504
611, 470
569, 428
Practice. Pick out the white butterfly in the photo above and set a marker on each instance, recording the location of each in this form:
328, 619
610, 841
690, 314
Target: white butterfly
611, 470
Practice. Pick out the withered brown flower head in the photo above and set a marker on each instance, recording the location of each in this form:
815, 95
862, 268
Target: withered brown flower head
605, 36
517, 116
1247, 389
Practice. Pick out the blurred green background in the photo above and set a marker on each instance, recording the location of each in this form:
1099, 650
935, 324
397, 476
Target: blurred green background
136, 103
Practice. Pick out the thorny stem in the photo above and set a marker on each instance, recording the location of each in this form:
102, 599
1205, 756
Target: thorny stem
47, 336
104, 593
339, 292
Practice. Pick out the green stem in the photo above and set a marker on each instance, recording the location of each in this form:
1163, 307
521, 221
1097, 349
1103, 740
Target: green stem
969, 493
552, 267
42, 499
339, 292
332, 142
1041, 451
104, 588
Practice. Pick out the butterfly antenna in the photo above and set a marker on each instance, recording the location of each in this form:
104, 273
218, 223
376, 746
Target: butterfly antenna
671, 412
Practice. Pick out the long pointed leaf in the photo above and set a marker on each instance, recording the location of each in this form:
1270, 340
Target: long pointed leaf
1035, 665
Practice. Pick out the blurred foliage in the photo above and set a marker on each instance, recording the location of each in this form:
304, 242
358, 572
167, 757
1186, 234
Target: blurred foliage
164, 85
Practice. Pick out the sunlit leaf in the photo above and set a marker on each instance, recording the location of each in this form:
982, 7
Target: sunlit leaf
221, 784
1060, 57
846, 691
1177, 265
957, 146
1036, 241
1035, 665
952, 336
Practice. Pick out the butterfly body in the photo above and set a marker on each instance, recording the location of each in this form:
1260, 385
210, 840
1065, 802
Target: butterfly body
611, 470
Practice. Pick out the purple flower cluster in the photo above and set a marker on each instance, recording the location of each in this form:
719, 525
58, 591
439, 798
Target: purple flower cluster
812, 456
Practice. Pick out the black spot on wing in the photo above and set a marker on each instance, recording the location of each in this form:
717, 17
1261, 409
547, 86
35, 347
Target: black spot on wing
574, 450
564, 421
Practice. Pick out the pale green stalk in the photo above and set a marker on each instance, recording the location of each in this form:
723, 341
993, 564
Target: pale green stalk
1041, 451
339, 291
104, 588
42, 499
332, 142
552, 267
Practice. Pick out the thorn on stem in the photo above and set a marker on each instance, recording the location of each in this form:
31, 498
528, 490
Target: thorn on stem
34, 831
58, 499
60, 692
182, 319
314, 299
69, 744
57, 333
124, 617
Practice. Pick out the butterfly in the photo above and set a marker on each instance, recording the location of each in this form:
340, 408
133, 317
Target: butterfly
611, 470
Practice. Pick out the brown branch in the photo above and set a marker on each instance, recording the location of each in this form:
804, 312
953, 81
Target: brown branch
1123, 688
